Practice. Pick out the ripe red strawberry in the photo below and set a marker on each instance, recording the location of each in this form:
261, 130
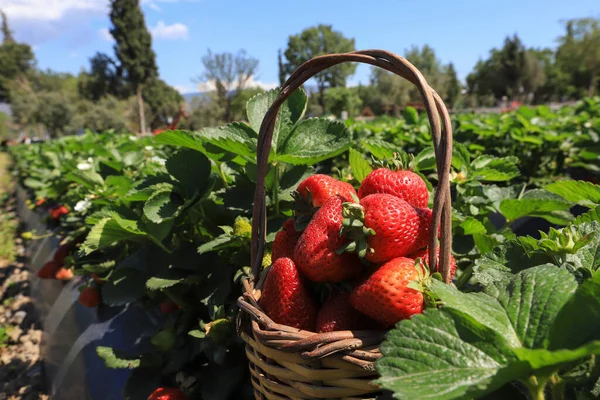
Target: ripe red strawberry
385, 296
164, 393
58, 211
285, 241
89, 297
49, 270
399, 227
40, 201
424, 255
168, 306
64, 274
317, 189
315, 253
336, 314
404, 184
285, 298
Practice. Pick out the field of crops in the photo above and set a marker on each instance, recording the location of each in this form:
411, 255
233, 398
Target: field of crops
164, 222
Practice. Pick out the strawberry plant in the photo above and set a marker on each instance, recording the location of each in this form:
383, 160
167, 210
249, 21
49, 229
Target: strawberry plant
163, 223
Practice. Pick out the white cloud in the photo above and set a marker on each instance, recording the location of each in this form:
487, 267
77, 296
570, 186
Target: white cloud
50, 10
209, 86
104, 34
183, 89
169, 32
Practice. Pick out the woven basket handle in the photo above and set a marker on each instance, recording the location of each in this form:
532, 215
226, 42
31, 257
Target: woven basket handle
441, 128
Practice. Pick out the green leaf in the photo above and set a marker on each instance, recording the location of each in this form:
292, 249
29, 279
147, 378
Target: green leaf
532, 300
116, 359
580, 192
314, 140
380, 149
290, 112
590, 216
118, 185
125, 285
108, 231
471, 226
411, 115
164, 204
88, 178
542, 358
180, 139
360, 166
432, 357
425, 160
164, 340
579, 320
492, 169
237, 138
482, 313
143, 192
156, 283
538, 203
220, 242
191, 169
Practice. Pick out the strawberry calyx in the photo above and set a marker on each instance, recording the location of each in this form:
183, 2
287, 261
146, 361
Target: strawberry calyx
423, 281
303, 209
353, 227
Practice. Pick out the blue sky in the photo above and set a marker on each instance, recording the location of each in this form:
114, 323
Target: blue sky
66, 33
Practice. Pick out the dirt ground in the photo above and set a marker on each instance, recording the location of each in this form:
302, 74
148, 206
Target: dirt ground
21, 374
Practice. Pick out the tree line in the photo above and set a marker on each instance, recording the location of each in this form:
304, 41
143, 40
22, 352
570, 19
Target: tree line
123, 91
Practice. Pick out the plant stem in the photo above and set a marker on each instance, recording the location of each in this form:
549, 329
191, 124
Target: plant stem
276, 189
558, 387
464, 277
535, 387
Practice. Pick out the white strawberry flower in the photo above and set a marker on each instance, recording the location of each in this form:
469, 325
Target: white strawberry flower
83, 205
158, 160
83, 166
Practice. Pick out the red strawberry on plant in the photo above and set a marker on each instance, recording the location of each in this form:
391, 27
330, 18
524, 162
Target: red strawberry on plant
316, 253
89, 297
336, 314
58, 211
49, 270
286, 299
165, 393
424, 255
317, 189
285, 241
64, 274
383, 227
40, 201
404, 184
385, 295
168, 306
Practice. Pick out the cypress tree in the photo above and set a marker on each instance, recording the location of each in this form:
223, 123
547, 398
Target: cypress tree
6, 33
133, 47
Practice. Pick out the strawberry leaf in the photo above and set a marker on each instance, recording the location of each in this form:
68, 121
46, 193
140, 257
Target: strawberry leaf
580, 192
360, 166
117, 359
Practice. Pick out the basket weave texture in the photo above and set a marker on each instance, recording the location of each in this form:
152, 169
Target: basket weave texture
287, 363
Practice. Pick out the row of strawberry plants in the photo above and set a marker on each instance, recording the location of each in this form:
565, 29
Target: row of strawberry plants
164, 222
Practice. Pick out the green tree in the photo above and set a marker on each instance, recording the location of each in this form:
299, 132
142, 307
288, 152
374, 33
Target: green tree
229, 73
340, 99
315, 41
6, 32
578, 53
430, 66
133, 48
104, 78
16, 61
282, 69
163, 102
108, 113
390, 92
453, 86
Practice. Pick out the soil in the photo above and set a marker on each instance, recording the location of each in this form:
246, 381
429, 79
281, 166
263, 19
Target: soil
21, 373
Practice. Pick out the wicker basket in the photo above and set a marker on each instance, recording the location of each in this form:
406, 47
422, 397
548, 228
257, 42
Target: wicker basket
287, 363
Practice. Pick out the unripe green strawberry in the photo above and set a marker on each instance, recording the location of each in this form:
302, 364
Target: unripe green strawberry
285, 241
385, 295
316, 253
285, 298
404, 184
242, 227
27, 235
